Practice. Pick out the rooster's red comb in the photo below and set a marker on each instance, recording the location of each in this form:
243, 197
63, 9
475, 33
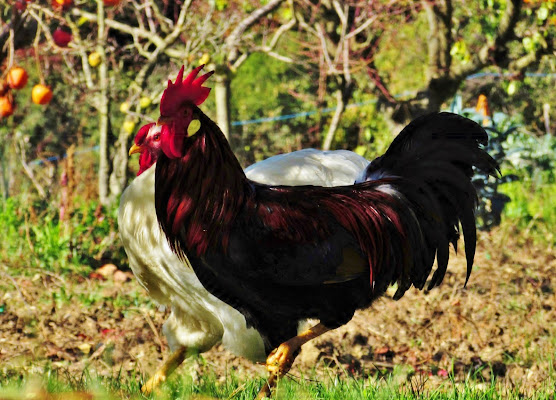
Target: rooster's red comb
184, 90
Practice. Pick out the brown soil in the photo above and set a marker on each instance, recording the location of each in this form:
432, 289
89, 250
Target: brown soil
502, 325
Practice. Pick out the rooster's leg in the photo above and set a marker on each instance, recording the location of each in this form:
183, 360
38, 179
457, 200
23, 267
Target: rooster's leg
175, 360
281, 359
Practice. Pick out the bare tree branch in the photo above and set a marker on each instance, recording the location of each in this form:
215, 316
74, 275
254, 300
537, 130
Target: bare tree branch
119, 26
269, 49
233, 41
279, 57
523, 62
361, 28
20, 148
166, 24
324, 48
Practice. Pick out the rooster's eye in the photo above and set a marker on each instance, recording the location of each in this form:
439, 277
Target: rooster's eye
156, 137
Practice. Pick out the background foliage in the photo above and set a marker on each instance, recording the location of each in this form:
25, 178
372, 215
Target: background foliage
519, 115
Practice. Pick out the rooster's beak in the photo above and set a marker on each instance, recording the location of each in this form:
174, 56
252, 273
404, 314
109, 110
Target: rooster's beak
135, 149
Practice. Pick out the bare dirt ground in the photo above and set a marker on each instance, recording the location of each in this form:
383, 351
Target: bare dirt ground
502, 326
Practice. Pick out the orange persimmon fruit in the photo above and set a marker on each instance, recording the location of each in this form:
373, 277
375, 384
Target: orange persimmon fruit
41, 94
17, 77
6, 106
63, 4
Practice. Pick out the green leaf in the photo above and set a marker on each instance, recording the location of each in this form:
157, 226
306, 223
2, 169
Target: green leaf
361, 150
221, 5
368, 134
542, 13
528, 44
512, 87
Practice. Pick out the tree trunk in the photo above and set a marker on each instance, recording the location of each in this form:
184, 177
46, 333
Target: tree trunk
343, 95
118, 177
340, 107
222, 97
5, 173
103, 164
103, 118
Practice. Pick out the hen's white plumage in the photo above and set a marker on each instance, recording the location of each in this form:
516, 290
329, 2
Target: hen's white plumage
198, 319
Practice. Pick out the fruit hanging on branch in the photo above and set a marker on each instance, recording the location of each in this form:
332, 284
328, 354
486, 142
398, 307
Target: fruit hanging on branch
6, 105
61, 37
129, 126
41, 94
21, 5
61, 4
94, 59
145, 102
17, 78
124, 107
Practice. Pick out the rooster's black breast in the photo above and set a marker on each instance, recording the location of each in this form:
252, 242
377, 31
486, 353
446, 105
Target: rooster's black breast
276, 283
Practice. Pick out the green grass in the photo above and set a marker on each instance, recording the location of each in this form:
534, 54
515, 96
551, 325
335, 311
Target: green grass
532, 209
533, 206
231, 387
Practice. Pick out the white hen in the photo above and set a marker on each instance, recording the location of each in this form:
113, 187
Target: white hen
198, 320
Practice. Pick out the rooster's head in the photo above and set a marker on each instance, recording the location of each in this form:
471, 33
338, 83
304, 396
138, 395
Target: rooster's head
147, 142
177, 107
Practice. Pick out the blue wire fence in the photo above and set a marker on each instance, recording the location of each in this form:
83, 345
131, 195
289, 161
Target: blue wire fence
314, 112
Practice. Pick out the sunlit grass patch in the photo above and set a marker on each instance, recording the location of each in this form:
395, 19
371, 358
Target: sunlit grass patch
54, 384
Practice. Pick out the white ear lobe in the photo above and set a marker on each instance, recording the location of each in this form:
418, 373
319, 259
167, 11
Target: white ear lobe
193, 127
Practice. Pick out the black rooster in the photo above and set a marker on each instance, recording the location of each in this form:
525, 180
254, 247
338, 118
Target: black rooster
280, 254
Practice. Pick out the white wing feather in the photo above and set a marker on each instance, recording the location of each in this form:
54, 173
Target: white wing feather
198, 319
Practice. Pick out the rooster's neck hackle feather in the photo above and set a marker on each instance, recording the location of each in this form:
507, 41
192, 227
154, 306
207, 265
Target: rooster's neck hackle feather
206, 185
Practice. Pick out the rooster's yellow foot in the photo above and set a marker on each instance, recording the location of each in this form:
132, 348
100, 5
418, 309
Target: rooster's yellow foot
173, 362
281, 359
158, 378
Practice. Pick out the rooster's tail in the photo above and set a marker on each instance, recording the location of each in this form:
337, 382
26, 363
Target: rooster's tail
434, 158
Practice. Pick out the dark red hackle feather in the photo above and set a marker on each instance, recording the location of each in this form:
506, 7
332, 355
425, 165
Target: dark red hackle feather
211, 195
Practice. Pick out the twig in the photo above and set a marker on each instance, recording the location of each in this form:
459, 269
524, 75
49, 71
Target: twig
269, 49
29, 172
97, 352
361, 28
153, 328
37, 58
11, 49
233, 40
236, 391
382, 364
14, 282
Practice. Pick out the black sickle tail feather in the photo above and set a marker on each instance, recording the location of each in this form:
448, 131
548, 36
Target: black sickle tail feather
434, 156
